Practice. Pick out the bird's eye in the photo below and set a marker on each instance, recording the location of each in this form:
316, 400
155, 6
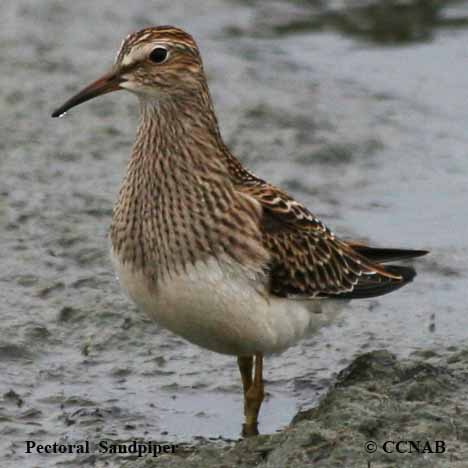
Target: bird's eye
158, 55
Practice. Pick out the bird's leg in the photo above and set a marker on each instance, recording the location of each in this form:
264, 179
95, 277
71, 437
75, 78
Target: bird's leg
253, 398
245, 364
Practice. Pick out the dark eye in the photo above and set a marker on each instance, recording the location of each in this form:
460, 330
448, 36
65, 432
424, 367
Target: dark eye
158, 55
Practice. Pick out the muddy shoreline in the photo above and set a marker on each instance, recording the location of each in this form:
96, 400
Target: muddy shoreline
378, 406
366, 129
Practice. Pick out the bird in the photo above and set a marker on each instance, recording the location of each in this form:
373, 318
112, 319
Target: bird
206, 248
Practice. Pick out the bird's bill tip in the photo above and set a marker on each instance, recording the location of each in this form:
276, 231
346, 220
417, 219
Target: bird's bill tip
106, 84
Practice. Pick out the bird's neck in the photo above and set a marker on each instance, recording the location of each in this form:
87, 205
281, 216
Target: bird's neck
177, 128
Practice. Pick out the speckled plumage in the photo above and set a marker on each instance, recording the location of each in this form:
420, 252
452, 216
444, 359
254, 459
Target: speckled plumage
204, 246
186, 197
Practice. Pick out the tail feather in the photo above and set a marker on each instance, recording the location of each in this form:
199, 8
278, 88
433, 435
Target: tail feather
377, 285
372, 285
383, 255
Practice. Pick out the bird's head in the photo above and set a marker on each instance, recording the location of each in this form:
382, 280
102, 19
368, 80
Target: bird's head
154, 63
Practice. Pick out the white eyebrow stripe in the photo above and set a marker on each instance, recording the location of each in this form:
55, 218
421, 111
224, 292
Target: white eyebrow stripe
141, 51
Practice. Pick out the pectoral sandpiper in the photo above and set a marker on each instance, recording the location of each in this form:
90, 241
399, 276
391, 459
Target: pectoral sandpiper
206, 248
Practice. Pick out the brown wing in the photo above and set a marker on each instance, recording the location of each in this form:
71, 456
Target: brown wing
308, 260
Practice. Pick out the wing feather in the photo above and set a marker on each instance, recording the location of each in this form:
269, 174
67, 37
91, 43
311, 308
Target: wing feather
308, 260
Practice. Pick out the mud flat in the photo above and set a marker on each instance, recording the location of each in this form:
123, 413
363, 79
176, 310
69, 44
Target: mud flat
378, 404
357, 108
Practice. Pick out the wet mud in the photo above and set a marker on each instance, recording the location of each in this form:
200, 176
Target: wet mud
368, 130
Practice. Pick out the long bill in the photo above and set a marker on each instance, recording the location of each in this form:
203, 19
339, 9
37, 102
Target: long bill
106, 84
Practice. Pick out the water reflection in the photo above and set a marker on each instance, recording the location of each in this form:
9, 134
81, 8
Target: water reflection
384, 21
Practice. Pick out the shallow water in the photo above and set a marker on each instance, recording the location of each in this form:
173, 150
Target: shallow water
368, 130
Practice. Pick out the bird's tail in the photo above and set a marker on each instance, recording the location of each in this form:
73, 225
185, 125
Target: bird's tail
386, 278
382, 255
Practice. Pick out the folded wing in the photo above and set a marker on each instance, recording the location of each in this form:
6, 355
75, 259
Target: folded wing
309, 261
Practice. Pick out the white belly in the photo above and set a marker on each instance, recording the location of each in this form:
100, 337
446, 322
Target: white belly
217, 305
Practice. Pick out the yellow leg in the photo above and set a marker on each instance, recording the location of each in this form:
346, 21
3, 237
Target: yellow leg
245, 364
253, 392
